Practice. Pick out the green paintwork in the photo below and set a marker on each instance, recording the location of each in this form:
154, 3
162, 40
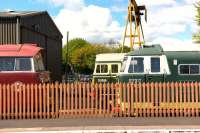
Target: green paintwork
147, 50
183, 57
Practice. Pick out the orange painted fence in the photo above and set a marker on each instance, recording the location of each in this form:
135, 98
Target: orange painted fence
99, 100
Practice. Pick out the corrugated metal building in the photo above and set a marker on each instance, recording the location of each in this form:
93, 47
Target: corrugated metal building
34, 27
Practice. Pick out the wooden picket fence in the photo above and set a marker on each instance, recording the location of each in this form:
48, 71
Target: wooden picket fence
59, 100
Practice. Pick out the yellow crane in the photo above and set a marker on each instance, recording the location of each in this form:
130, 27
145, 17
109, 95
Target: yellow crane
134, 20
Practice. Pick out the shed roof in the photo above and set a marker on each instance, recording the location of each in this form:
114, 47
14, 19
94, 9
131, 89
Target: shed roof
20, 13
19, 50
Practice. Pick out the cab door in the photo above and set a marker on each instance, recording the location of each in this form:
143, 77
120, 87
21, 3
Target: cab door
154, 73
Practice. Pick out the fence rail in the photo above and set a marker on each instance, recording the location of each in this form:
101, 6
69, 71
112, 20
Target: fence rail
46, 101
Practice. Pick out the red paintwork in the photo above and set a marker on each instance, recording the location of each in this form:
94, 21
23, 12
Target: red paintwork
20, 50
12, 77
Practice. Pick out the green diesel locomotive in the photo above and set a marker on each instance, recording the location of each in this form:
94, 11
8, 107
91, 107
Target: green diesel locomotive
153, 64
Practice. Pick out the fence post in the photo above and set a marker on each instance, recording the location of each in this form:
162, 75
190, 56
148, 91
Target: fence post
136, 98
173, 100
8, 87
68, 99
48, 100
128, 99
193, 103
28, 105
144, 108
185, 102
177, 98
113, 99
148, 99
197, 98
16, 101
36, 100
96, 99
4, 101
64, 99
132, 99
72, 99
140, 99
164, 99
152, 99
44, 100
12, 102
188, 100
168, 99
160, 89
124, 99
92, 95
76, 99
108, 100
156, 99
24, 101
40, 101
181, 97
61, 100
88, 100
52, 100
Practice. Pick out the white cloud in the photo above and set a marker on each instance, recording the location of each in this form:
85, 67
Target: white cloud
156, 2
69, 4
166, 19
91, 22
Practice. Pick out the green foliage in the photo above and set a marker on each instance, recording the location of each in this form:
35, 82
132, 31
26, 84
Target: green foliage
82, 54
196, 36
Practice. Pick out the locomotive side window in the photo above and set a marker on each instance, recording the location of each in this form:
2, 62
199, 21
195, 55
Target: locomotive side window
114, 68
184, 69
155, 64
194, 69
104, 68
98, 69
189, 69
136, 65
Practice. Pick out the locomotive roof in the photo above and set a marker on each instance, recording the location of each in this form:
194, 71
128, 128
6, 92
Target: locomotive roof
158, 50
19, 50
109, 57
147, 50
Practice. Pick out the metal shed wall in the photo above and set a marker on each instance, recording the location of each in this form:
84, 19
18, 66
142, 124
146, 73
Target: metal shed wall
8, 28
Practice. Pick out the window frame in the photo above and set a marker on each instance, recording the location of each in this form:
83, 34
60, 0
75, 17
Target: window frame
117, 68
189, 69
151, 65
133, 65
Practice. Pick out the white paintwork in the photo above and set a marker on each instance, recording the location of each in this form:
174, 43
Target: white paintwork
110, 57
164, 68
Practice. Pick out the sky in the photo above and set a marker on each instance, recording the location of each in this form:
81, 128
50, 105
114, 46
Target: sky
169, 21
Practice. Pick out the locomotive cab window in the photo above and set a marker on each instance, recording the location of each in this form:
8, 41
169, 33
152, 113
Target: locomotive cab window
136, 65
124, 64
155, 64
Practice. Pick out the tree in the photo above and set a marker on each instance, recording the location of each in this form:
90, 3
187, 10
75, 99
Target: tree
73, 45
196, 36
